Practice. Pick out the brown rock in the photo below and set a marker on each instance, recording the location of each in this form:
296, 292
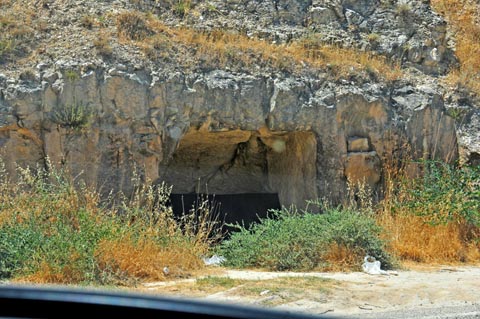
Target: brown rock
363, 167
358, 144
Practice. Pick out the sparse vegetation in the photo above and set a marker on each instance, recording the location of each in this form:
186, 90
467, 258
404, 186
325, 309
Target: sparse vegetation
275, 291
74, 115
87, 21
373, 37
102, 45
132, 25
213, 282
51, 231
15, 35
219, 48
290, 288
436, 217
464, 19
403, 9
182, 7
71, 75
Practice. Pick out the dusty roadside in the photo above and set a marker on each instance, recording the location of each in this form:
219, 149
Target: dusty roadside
336, 293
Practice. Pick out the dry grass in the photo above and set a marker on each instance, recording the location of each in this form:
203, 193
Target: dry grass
48, 274
102, 45
413, 238
16, 30
54, 232
220, 48
288, 288
132, 25
433, 231
146, 260
341, 258
464, 18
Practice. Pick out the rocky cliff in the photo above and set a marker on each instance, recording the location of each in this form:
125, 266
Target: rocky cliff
106, 90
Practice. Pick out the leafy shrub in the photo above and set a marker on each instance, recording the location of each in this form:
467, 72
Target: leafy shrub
292, 241
63, 244
446, 194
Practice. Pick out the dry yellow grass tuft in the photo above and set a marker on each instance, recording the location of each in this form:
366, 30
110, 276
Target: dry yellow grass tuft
464, 18
341, 258
145, 259
413, 238
47, 274
131, 25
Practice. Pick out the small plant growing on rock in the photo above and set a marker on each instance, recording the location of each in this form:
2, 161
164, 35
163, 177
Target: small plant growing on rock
7, 47
27, 75
182, 7
102, 46
74, 116
71, 75
132, 25
403, 9
373, 37
87, 21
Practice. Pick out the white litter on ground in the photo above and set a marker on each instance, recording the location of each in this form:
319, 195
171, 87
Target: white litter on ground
214, 260
372, 266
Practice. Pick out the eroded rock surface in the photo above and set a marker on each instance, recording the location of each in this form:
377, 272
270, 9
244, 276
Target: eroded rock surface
242, 127
221, 132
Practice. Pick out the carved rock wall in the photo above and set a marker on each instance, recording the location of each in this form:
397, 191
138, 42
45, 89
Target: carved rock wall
233, 133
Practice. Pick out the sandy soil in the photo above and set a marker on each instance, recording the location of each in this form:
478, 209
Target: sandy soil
347, 293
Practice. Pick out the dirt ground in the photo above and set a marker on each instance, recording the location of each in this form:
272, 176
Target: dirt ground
334, 293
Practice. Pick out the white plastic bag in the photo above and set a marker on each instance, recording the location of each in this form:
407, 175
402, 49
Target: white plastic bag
214, 260
372, 266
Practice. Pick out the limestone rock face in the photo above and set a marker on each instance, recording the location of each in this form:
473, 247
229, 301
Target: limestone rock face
235, 117
221, 132
363, 167
358, 144
406, 31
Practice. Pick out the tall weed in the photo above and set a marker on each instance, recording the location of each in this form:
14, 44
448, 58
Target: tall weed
434, 217
445, 194
53, 229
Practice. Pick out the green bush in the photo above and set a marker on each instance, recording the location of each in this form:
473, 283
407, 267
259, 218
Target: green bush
66, 244
44, 222
292, 241
56, 231
446, 193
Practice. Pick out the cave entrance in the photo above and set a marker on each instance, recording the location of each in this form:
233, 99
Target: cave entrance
245, 162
